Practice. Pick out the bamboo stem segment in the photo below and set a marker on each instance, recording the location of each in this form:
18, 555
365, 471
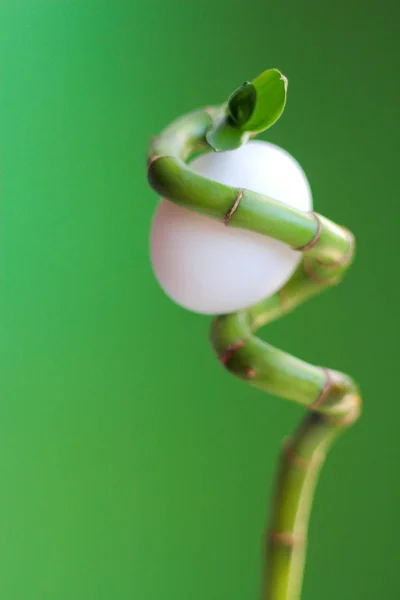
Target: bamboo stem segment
331, 398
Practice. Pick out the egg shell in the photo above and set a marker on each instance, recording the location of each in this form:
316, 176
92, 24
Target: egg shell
209, 268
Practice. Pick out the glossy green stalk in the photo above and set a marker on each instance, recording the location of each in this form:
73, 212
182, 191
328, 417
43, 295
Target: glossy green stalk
331, 398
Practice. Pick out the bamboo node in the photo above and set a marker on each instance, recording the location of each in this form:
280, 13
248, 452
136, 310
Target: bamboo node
307, 266
235, 206
316, 237
286, 539
230, 351
324, 392
304, 463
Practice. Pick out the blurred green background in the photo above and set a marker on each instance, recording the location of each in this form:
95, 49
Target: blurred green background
132, 465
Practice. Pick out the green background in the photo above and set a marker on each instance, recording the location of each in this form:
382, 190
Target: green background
132, 465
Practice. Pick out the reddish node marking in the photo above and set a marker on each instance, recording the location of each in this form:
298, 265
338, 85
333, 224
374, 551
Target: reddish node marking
234, 208
301, 462
285, 538
230, 351
250, 372
324, 392
316, 236
295, 458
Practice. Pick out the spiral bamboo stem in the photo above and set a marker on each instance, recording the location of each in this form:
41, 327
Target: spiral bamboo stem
331, 398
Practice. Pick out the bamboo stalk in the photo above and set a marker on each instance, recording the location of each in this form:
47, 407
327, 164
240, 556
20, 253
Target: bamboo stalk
332, 398
301, 460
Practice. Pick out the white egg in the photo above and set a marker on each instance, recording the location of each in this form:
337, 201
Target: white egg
210, 268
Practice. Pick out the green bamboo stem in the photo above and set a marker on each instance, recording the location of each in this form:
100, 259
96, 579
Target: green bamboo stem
331, 398
300, 463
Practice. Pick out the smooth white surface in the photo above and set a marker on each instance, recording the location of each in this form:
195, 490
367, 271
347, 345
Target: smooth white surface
209, 268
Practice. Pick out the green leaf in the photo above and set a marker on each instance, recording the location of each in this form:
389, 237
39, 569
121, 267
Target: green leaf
225, 135
257, 105
241, 103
